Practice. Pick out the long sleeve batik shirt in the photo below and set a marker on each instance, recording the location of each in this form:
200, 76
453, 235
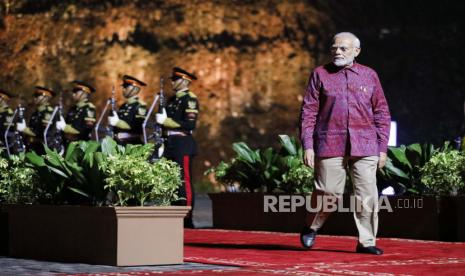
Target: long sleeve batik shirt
344, 112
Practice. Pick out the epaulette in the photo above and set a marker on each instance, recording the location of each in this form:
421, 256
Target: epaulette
192, 95
7, 110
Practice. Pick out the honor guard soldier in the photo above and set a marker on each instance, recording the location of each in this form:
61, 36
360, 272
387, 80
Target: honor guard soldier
6, 115
39, 119
80, 119
128, 121
179, 120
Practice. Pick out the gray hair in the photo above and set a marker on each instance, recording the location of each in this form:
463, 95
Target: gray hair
354, 38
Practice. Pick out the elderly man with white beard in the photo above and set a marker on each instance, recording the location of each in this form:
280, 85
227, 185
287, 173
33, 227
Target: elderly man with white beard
344, 129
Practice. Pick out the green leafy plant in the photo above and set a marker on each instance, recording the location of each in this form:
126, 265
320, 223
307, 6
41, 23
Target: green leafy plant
18, 180
90, 172
404, 164
58, 175
297, 177
255, 170
443, 174
134, 181
266, 170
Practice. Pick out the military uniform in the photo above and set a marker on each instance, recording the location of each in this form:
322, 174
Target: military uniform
182, 111
6, 116
38, 122
81, 117
132, 115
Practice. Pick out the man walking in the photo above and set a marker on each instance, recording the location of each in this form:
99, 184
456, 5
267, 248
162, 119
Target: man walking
345, 127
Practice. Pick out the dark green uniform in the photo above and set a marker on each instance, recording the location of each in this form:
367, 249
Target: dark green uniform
37, 125
182, 111
6, 115
133, 113
81, 120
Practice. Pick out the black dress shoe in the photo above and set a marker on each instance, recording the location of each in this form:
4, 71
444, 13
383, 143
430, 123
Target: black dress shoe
307, 237
369, 250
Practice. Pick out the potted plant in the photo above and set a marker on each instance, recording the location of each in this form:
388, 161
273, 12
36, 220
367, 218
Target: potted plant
444, 177
17, 180
111, 207
403, 173
256, 173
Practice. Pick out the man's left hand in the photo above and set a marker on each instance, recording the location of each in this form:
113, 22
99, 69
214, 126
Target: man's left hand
382, 160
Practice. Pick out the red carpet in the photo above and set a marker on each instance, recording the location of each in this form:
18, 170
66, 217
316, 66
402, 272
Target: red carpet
264, 253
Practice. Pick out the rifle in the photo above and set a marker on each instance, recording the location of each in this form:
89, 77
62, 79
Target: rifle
109, 129
18, 145
149, 113
157, 128
58, 137
19, 142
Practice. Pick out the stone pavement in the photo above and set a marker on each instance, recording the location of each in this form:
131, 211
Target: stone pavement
25, 267
203, 211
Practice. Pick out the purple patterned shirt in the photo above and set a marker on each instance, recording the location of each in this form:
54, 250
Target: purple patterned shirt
344, 112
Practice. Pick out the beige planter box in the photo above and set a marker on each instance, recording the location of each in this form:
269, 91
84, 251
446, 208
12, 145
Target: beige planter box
121, 236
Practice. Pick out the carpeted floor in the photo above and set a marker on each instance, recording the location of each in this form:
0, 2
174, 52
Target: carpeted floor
214, 252
277, 253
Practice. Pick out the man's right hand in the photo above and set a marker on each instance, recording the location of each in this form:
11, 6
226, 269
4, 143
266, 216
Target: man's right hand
309, 158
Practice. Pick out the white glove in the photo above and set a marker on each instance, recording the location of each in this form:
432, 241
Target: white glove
61, 124
161, 117
20, 126
161, 150
113, 120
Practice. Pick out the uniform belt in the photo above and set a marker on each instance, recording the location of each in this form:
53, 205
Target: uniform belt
126, 135
177, 133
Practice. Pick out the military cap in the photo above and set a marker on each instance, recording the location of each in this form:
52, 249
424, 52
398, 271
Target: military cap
183, 74
5, 94
82, 86
42, 91
132, 81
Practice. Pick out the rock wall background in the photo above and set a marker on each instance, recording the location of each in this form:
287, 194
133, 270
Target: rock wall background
252, 57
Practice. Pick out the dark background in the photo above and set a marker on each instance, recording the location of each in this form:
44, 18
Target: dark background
253, 58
